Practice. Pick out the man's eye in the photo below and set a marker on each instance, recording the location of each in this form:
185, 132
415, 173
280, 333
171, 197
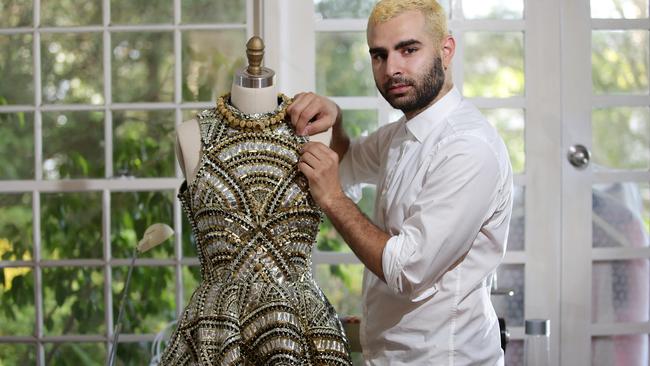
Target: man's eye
410, 50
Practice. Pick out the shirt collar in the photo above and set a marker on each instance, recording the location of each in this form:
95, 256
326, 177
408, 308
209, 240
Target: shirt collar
421, 125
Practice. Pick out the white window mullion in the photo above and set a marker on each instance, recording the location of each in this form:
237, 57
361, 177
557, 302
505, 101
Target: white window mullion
177, 211
38, 175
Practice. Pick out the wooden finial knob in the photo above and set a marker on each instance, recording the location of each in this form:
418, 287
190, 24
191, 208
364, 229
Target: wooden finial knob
255, 54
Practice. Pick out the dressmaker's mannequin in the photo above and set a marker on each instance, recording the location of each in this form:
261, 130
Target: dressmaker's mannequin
253, 91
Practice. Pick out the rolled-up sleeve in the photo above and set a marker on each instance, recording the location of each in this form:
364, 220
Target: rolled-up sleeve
456, 198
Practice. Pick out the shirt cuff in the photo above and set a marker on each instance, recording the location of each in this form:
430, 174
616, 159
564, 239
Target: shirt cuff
396, 248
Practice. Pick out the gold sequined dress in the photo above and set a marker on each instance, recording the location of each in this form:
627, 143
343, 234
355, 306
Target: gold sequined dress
255, 225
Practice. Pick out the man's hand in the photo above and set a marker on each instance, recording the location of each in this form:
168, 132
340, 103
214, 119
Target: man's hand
320, 165
311, 113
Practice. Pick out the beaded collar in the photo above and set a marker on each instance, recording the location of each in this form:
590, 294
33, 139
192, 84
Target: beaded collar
256, 121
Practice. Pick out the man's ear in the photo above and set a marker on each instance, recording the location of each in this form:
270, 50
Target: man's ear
448, 50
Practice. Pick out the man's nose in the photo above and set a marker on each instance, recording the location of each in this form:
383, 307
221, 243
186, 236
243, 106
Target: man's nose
393, 65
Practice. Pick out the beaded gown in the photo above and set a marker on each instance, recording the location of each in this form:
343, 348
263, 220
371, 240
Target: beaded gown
255, 224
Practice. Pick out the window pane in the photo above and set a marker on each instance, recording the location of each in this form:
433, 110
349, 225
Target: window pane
493, 9
341, 283
18, 354
620, 350
138, 353
343, 8
510, 124
16, 13
494, 64
17, 145
360, 122
619, 9
73, 301
631, 147
620, 291
143, 67
210, 59
73, 145
621, 215
191, 279
517, 232
132, 213
71, 13
72, 68
17, 299
141, 12
16, 68
343, 65
71, 225
16, 226
620, 61
143, 144
150, 302
60, 354
213, 11
511, 308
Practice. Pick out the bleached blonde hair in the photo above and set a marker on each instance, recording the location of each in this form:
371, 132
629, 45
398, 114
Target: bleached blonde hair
434, 14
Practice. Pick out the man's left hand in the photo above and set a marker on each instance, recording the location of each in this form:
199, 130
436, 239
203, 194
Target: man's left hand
320, 165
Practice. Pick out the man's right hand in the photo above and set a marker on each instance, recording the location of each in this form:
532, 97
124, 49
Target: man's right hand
312, 113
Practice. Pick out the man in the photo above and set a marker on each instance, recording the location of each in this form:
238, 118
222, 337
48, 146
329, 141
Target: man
444, 185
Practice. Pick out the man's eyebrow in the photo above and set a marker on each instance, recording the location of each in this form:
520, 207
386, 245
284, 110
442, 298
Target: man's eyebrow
406, 43
374, 50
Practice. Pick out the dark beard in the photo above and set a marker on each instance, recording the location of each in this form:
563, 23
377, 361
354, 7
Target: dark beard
425, 91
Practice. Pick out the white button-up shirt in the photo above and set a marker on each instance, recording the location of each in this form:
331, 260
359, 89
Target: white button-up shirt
444, 195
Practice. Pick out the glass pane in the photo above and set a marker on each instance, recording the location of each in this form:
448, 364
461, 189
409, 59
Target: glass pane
73, 301
16, 13
511, 305
17, 354
132, 213
143, 143
619, 9
17, 145
189, 114
620, 291
360, 122
631, 147
213, 11
16, 69
621, 215
517, 233
187, 239
17, 298
343, 65
150, 302
141, 12
133, 353
341, 283
510, 124
621, 350
72, 68
73, 145
210, 59
343, 8
514, 352
143, 67
493, 9
620, 61
494, 64
71, 13
191, 279
16, 226
62, 354
71, 225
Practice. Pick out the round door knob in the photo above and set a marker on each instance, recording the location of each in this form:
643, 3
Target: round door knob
579, 156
